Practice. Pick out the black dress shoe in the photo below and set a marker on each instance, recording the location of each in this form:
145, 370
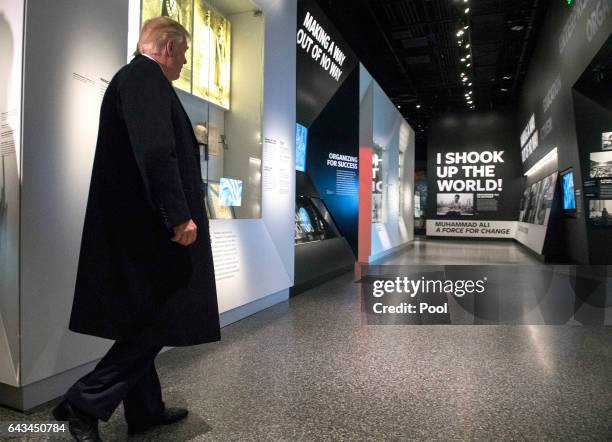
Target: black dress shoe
82, 427
168, 416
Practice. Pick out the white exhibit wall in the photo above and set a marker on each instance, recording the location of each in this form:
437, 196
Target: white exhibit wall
11, 49
390, 131
278, 171
73, 47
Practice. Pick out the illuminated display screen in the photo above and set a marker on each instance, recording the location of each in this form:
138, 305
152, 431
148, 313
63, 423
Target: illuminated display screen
301, 143
569, 198
230, 192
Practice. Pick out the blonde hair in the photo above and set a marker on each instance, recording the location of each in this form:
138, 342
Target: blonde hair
156, 32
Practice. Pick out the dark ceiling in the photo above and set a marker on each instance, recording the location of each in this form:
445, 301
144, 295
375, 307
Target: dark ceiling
413, 49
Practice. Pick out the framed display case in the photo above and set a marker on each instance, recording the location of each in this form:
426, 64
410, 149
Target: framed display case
226, 52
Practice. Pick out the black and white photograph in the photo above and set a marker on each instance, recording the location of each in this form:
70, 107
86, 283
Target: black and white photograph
606, 141
599, 213
601, 164
524, 204
455, 204
530, 211
545, 197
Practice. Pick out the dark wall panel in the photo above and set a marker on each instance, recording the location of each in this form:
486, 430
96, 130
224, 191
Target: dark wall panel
570, 39
336, 130
328, 105
478, 131
591, 120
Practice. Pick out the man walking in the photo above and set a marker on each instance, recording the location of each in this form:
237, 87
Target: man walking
145, 276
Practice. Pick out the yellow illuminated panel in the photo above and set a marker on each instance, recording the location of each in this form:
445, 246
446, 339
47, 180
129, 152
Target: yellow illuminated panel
207, 72
182, 12
211, 59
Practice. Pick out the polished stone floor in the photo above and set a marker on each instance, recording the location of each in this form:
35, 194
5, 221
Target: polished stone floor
311, 369
461, 252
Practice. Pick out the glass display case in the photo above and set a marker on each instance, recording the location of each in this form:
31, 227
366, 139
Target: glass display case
221, 88
312, 220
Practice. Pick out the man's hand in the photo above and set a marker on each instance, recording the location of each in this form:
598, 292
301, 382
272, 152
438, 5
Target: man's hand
185, 233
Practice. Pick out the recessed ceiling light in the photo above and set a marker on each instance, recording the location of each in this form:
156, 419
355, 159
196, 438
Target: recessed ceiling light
418, 106
463, 60
516, 28
468, 56
466, 27
467, 10
399, 107
469, 64
467, 46
470, 84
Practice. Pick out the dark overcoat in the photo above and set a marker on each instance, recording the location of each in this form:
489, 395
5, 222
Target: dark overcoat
133, 282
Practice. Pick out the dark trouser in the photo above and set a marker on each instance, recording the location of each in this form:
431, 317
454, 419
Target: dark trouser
126, 373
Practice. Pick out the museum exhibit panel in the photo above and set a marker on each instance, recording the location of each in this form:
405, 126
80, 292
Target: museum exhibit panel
386, 142
593, 113
327, 124
332, 117
565, 106
474, 176
238, 91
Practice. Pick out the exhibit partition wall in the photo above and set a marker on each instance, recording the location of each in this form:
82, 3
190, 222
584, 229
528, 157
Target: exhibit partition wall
238, 90
327, 125
344, 120
386, 143
11, 48
564, 119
